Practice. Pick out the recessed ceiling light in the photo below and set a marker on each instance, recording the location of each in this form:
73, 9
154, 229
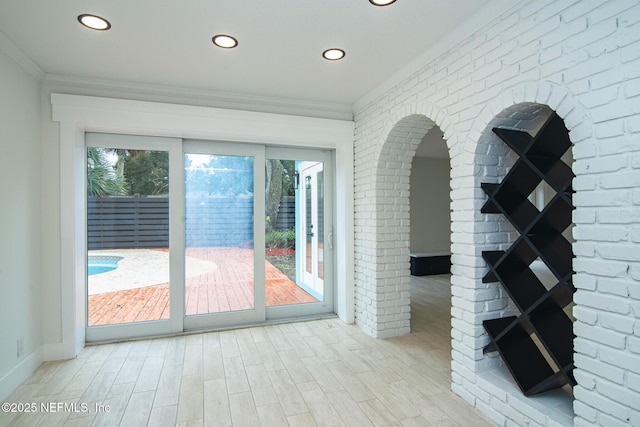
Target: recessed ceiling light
333, 54
224, 41
381, 2
94, 22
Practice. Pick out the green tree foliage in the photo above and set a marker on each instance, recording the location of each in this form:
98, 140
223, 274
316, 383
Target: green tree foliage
140, 172
102, 179
280, 239
147, 173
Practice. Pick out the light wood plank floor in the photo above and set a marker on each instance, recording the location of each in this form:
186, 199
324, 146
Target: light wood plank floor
315, 373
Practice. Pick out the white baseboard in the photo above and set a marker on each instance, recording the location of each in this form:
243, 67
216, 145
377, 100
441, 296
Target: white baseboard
16, 376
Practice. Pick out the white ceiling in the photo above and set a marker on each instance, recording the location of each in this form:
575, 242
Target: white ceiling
168, 42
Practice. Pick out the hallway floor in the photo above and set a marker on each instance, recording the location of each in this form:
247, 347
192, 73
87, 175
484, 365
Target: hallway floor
314, 373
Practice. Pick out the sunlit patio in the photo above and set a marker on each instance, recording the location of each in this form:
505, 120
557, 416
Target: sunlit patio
218, 279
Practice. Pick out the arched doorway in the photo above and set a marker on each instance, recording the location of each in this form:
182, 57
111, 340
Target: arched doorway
382, 264
430, 237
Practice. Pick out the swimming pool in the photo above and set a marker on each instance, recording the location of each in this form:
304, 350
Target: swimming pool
97, 264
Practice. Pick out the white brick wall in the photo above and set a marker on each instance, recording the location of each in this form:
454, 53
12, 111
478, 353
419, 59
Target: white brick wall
581, 59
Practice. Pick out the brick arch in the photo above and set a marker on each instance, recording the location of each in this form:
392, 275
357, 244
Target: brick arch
420, 114
556, 97
523, 107
388, 312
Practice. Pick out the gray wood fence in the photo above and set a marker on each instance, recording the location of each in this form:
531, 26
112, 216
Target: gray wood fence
127, 222
143, 222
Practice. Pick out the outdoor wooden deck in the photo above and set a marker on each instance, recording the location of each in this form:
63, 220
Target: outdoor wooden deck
229, 287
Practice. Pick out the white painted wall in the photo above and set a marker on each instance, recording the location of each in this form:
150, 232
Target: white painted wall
20, 216
429, 205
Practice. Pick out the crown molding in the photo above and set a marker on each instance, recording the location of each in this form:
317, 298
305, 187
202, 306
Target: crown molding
26, 63
464, 30
196, 97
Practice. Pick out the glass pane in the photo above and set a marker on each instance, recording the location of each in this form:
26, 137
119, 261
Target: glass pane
320, 220
218, 233
127, 235
290, 234
308, 223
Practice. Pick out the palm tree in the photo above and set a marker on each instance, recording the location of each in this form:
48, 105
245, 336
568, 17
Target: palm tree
101, 177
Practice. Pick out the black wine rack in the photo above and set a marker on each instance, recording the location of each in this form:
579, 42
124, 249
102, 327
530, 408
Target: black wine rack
537, 345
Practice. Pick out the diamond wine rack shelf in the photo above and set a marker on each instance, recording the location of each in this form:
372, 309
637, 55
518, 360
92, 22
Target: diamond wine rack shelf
537, 345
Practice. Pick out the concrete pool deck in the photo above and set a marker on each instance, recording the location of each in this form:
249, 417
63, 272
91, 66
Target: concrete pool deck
140, 268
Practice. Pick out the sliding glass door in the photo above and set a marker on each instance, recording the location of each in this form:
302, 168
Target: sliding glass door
132, 283
222, 184
186, 235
